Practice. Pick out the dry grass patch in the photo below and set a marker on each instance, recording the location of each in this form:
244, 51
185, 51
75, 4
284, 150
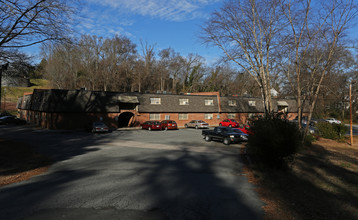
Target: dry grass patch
322, 183
19, 162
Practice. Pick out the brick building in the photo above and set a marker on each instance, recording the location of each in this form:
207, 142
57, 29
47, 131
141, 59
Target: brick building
73, 109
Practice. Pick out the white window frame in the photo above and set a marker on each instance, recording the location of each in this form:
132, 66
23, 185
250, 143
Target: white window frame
183, 116
183, 101
154, 117
252, 103
231, 115
208, 116
155, 101
209, 102
167, 117
232, 103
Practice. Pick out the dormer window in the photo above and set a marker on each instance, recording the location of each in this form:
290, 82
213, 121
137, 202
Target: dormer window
209, 102
252, 103
183, 101
232, 102
155, 101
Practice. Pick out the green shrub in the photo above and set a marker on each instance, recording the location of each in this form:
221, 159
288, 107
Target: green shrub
308, 140
331, 131
274, 141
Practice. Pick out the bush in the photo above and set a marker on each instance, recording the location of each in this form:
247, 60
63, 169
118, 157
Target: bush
274, 141
331, 131
308, 140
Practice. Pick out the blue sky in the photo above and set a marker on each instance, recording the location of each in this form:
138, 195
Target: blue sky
161, 23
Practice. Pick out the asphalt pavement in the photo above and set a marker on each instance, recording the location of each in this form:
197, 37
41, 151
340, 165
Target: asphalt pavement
130, 174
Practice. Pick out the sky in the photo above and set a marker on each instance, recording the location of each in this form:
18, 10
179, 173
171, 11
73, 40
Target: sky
160, 23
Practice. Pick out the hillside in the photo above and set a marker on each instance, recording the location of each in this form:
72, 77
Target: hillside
10, 95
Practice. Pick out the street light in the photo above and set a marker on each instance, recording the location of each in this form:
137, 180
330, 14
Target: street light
350, 111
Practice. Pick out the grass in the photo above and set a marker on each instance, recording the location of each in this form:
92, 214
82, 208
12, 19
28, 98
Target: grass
13, 93
321, 183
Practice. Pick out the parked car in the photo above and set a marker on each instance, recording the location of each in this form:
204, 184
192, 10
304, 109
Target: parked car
244, 136
304, 120
169, 125
97, 127
229, 123
333, 121
245, 129
10, 119
225, 134
197, 124
151, 125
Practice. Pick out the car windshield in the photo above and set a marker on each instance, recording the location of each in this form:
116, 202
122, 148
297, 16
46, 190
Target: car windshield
173, 122
99, 124
237, 131
156, 123
201, 121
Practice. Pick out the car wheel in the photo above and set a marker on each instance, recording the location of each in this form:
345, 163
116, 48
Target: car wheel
207, 138
220, 124
166, 128
196, 127
93, 130
230, 126
186, 126
226, 141
149, 129
141, 127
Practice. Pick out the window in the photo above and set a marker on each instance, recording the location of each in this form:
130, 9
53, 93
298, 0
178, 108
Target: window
208, 116
183, 116
232, 102
155, 101
167, 117
183, 101
252, 103
209, 102
231, 116
154, 116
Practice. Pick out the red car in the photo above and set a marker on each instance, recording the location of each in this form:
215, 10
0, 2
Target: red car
151, 125
245, 129
169, 124
230, 123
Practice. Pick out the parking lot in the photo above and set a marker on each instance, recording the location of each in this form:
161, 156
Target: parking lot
131, 173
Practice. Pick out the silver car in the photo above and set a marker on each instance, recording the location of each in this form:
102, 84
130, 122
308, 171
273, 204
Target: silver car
197, 124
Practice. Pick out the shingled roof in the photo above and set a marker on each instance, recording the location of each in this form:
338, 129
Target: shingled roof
170, 104
56, 100
241, 104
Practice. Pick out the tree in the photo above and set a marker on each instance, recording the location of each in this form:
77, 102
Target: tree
246, 32
24, 23
315, 37
63, 65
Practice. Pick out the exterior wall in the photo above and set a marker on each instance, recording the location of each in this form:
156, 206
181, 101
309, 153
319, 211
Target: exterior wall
80, 120
73, 120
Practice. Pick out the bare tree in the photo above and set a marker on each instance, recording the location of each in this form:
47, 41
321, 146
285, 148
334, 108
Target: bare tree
145, 72
316, 32
173, 62
63, 65
246, 32
24, 23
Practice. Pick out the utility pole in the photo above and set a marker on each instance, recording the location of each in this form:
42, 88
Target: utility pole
350, 111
